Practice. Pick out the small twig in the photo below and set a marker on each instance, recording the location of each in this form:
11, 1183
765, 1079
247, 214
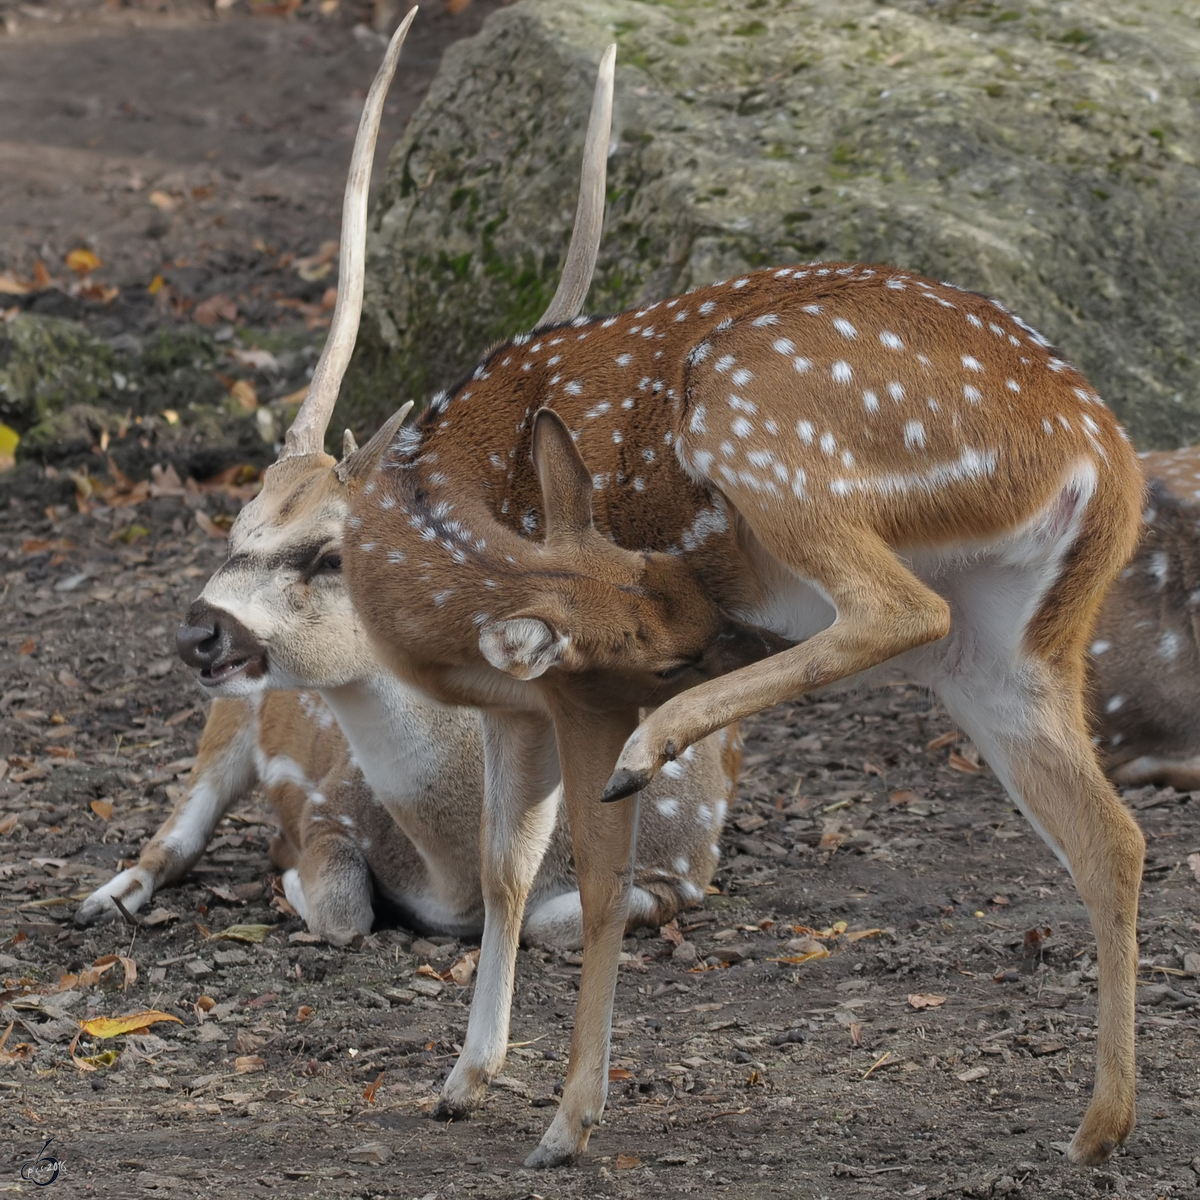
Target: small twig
130, 919
878, 1063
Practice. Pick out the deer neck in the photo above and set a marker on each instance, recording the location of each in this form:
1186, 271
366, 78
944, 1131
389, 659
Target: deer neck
386, 722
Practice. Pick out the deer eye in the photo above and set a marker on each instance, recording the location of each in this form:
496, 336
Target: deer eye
676, 671
331, 564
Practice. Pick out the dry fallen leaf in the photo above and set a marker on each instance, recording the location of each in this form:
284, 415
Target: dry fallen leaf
670, 933
960, 762
108, 1027
370, 1090
215, 308
1194, 863
210, 526
921, 1000
20, 1051
247, 1064
243, 933
627, 1162
426, 970
616, 1074
944, 739
796, 959
463, 970
206, 1004
10, 285
972, 1074
244, 394
102, 808
304, 1013
164, 201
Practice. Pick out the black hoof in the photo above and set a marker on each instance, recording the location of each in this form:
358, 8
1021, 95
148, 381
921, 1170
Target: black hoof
624, 783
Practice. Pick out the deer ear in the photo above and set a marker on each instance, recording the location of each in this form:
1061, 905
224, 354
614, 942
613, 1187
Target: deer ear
349, 445
524, 647
359, 461
565, 480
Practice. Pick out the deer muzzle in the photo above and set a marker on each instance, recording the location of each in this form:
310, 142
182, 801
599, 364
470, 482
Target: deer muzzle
218, 646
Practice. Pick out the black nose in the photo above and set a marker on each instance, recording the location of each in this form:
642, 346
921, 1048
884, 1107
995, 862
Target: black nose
198, 645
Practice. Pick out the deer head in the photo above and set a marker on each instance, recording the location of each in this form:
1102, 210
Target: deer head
615, 625
277, 614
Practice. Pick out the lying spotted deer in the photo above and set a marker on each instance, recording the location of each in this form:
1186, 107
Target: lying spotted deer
277, 616
1145, 677
340, 844
884, 469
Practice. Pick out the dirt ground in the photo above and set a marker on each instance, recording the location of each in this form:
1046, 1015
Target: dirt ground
747, 1075
739, 1072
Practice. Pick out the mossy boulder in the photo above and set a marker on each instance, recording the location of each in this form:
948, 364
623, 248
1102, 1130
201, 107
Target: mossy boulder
1046, 154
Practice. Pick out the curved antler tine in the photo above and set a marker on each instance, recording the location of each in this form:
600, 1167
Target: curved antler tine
307, 433
589, 213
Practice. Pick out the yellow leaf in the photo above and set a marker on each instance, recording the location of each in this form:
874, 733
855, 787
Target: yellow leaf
102, 808
427, 970
107, 1027
82, 261
855, 934
8, 440
796, 959
156, 285
243, 933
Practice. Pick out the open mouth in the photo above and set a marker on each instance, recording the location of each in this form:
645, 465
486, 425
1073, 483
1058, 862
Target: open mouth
223, 672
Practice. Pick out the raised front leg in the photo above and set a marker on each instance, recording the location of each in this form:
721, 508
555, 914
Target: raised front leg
224, 772
520, 805
604, 837
882, 611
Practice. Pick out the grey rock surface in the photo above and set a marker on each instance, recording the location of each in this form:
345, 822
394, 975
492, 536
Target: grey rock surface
1046, 153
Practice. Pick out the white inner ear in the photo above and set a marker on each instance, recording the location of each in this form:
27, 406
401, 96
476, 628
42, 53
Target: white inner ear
523, 647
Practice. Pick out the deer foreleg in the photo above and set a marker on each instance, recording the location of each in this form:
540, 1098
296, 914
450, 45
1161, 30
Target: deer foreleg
604, 837
224, 772
520, 806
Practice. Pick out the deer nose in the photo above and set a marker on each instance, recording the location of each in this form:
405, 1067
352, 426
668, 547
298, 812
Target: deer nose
198, 644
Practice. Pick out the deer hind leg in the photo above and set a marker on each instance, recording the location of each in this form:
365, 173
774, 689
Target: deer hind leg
1046, 762
520, 804
224, 772
604, 837
882, 610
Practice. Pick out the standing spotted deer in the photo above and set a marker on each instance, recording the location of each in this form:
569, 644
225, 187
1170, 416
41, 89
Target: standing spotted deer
372, 783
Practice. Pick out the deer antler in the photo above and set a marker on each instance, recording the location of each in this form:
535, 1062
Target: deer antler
589, 212
307, 433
